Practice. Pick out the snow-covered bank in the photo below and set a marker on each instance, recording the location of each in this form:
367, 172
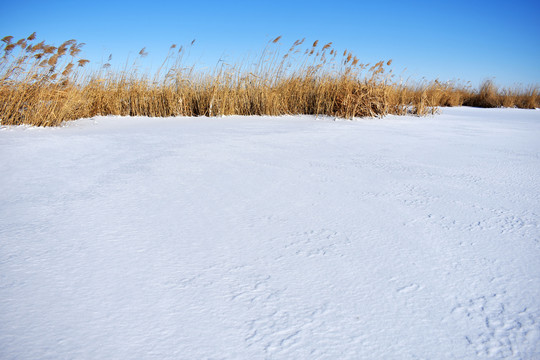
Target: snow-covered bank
259, 237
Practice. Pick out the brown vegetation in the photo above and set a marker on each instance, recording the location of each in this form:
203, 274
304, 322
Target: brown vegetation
45, 85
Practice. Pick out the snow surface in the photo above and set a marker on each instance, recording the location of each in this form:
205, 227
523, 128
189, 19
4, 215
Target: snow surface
272, 237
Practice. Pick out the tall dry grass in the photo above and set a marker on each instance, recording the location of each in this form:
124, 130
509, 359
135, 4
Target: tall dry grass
45, 85
489, 96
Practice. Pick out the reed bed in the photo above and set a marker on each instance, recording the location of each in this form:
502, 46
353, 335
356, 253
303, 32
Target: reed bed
46, 85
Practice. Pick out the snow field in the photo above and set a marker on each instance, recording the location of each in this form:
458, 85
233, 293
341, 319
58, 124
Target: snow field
272, 237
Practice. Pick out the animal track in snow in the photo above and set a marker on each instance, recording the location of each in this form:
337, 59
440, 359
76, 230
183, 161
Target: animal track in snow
498, 332
255, 290
279, 330
504, 221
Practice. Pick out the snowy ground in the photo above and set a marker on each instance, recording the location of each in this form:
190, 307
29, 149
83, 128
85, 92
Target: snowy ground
280, 238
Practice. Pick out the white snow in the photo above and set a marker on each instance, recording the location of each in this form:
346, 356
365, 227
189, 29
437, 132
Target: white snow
272, 237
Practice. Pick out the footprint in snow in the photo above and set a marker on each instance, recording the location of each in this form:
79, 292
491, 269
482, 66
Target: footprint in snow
409, 288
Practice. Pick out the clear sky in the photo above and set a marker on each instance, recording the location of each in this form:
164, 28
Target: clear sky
468, 40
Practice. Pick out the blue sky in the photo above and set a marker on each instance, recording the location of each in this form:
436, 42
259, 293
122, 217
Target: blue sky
467, 40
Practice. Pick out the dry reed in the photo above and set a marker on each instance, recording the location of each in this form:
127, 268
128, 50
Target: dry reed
44, 85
